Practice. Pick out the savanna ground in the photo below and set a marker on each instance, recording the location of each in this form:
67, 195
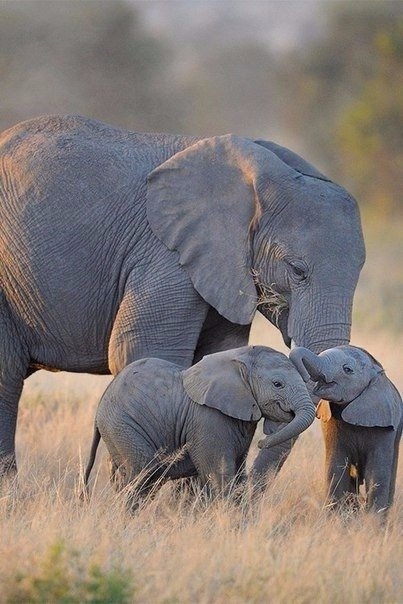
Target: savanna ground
285, 548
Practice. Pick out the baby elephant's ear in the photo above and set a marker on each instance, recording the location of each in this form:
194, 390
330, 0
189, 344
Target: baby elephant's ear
220, 381
378, 405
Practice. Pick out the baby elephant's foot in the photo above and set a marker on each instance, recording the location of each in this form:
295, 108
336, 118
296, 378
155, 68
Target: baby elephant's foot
346, 507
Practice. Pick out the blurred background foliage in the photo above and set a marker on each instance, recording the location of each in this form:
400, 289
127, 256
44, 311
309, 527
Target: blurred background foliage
349, 88
322, 77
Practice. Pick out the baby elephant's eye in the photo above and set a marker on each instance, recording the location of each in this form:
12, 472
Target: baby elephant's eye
347, 369
278, 384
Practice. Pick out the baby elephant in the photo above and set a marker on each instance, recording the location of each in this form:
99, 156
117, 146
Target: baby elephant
362, 424
154, 408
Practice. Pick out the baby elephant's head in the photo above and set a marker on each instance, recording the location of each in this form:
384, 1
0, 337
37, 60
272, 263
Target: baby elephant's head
250, 382
351, 377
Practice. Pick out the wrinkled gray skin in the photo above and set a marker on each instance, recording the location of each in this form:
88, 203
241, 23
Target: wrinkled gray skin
365, 424
154, 408
116, 246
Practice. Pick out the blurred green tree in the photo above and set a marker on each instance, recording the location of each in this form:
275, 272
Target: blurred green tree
370, 134
349, 87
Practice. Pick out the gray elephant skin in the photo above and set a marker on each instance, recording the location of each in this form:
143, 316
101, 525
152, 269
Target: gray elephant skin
362, 425
117, 246
154, 408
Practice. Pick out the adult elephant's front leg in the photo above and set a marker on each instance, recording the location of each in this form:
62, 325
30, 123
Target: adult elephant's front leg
156, 319
219, 334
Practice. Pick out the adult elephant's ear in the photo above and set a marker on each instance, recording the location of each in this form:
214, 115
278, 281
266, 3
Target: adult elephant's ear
293, 160
378, 405
220, 381
202, 202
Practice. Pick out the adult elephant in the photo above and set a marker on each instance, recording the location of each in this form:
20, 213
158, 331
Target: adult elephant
116, 246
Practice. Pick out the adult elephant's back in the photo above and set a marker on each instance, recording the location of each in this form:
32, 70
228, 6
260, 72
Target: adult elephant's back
73, 226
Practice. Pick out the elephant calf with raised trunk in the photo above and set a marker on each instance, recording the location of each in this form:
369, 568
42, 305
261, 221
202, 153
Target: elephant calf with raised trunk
154, 408
362, 424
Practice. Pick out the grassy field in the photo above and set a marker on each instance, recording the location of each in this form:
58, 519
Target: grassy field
284, 547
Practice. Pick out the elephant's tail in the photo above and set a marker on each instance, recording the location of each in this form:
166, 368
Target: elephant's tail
94, 446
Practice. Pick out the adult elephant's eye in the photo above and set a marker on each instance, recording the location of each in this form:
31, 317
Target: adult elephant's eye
298, 270
278, 384
347, 369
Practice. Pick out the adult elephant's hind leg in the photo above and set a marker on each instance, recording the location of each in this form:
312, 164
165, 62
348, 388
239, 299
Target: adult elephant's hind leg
10, 391
13, 369
157, 319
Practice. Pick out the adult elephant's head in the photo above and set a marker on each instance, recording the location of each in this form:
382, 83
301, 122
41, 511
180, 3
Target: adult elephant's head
255, 226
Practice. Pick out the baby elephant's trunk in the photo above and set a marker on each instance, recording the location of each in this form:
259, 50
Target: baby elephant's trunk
304, 410
309, 364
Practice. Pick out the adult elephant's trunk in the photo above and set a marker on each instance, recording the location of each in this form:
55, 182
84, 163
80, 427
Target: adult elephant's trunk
319, 323
309, 365
304, 410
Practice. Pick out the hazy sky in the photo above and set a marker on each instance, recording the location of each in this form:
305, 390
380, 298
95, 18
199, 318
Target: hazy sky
280, 24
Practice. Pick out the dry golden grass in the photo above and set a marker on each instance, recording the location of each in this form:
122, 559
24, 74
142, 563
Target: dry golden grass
284, 548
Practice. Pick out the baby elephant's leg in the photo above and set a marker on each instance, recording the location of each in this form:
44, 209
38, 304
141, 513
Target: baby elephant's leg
341, 478
223, 478
379, 475
216, 448
143, 485
217, 470
342, 481
134, 465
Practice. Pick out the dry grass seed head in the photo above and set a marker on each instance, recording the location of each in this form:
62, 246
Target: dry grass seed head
271, 300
